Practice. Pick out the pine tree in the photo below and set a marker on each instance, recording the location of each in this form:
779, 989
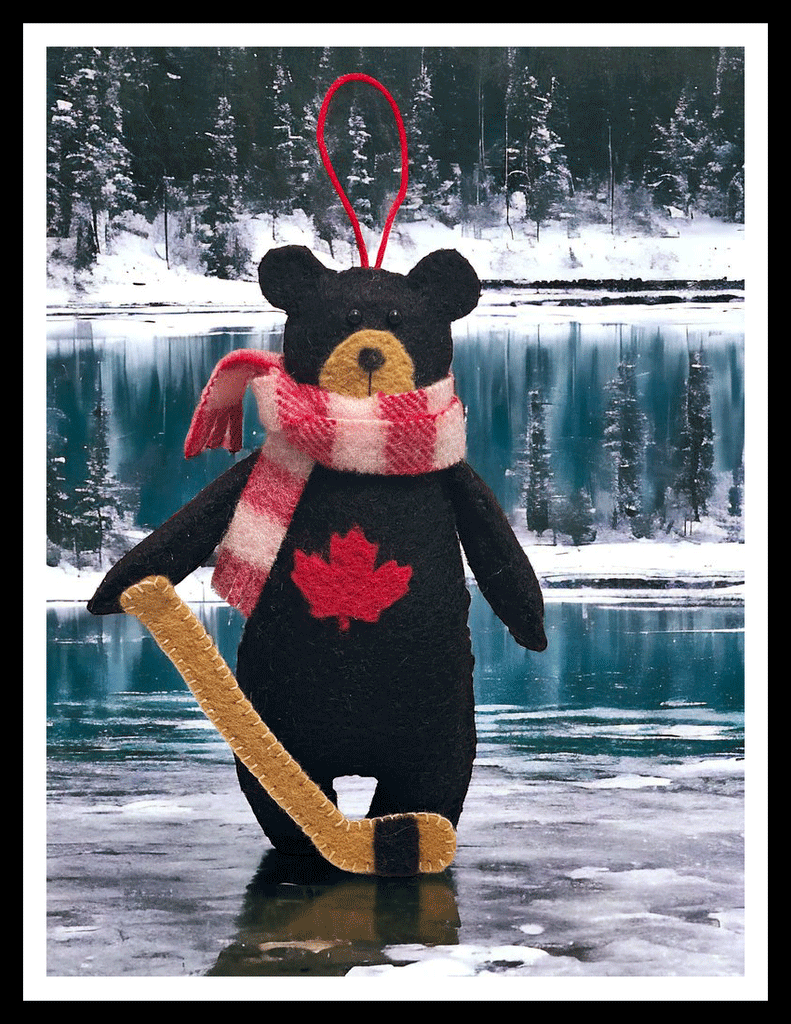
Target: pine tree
59, 504
550, 174
449, 203
535, 161
222, 254
291, 165
624, 437
421, 129
736, 491
685, 166
93, 497
538, 471
575, 517
321, 201
60, 201
722, 178
511, 152
695, 479
359, 181
87, 153
82, 518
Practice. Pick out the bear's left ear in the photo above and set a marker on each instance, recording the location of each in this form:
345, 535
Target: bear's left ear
448, 281
287, 273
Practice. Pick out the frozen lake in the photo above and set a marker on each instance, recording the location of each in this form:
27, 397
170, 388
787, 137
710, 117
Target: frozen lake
602, 836
121, 394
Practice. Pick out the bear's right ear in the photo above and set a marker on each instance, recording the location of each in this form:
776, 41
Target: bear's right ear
285, 275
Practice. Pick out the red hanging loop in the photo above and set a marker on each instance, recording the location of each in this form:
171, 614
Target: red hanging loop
358, 77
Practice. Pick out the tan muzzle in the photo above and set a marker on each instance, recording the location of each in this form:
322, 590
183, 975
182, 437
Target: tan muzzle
368, 362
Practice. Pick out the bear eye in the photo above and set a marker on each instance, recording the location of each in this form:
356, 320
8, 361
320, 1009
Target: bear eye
394, 317
353, 317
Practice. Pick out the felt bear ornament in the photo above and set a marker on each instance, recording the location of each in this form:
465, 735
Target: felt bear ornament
340, 540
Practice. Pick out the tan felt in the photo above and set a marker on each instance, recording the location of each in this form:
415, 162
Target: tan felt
345, 843
343, 374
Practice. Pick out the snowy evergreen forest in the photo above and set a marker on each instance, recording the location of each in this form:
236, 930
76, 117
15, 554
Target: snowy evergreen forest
205, 138
202, 141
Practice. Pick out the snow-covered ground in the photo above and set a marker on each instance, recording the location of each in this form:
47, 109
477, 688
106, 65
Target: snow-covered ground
630, 571
134, 272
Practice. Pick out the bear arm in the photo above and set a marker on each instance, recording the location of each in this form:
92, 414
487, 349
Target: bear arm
495, 556
179, 545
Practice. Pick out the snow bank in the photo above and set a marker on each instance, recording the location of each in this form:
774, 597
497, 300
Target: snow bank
134, 271
639, 569
618, 571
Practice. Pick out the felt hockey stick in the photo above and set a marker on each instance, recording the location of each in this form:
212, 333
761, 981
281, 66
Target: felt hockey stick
394, 845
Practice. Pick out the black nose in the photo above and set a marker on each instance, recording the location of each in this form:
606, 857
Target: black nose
370, 359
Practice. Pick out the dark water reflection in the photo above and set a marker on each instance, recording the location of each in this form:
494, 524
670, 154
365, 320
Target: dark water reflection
615, 679
147, 383
314, 919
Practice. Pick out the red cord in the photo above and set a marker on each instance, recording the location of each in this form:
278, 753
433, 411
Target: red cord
357, 77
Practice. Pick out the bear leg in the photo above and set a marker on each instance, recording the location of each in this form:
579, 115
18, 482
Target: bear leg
280, 829
438, 794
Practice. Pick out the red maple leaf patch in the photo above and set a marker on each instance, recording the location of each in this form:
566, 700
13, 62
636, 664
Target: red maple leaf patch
348, 586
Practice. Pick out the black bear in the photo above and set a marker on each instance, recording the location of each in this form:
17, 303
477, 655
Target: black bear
339, 539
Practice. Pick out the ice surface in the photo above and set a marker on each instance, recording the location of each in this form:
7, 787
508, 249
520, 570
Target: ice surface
152, 868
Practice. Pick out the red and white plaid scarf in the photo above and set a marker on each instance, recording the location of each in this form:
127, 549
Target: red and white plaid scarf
404, 434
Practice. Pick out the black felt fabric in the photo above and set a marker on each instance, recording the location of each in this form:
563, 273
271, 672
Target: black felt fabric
391, 698
441, 288
181, 544
498, 562
397, 847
